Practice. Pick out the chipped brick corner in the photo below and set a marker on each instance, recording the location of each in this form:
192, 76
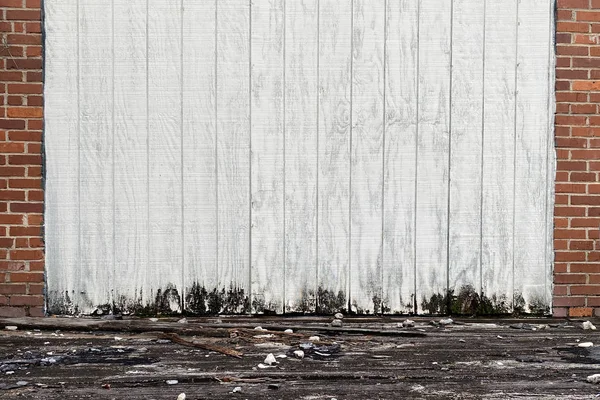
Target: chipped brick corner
21, 194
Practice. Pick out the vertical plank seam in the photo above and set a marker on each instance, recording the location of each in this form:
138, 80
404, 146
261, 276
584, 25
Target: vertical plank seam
284, 159
482, 152
418, 87
147, 140
317, 271
217, 281
349, 285
182, 158
250, 152
385, 5
79, 251
449, 150
515, 151
114, 205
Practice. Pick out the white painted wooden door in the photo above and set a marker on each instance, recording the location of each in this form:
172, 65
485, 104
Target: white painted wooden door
299, 156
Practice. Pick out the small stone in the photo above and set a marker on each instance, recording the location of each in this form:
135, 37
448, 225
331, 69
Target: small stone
336, 323
500, 337
172, 382
405, 345
22, 383
339, 315
10, 328
585, 344
263, 366
117, 338
281, 356
587, 325
462, 340
236, 389
594, 378
273, 386
163, 341
10, 372
270, 359
106, 386
446, 321
181, 396
154, 320
183, 321
314, 338
288, 331
259, 328
408, 323
299, 353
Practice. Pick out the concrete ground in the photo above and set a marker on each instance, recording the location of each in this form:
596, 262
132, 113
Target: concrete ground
84, 358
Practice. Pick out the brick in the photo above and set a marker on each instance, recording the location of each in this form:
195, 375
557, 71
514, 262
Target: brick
36, 312
580, 312
23, 15
12, 312
569, 301
569, 256
577, 289
26, 301
29, 136
592, 268
24, 231
10, 147
573, 4
570, 278
9, 288
12, 124
31, 88
25, 112
559, 312
568, 50
572, 27
35, 277
26, 159
12, 171
11, 3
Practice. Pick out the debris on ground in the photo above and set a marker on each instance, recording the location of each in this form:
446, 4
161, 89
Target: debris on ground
337, 323
270, 359
317, 352
446, 321
181, 396
338, 316
593, 378
587, 325
585, 344
408, 323
10, 328
172, 382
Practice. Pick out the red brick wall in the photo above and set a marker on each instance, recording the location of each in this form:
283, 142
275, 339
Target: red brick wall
21, 194
577, 210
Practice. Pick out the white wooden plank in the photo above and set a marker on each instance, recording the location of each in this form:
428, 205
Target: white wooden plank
334, 155
531, 158
551, 161
400, 156
61, 140
366, 275
433, 147
498, 151
130, 156
301, 154
464, 257
233, 141
96, 154
165, 267
199, 154
267, 181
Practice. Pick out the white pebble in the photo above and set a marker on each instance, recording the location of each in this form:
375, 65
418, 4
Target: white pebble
336, 323
585, 344
339, 316
587, 325
236, 389
299, 353
183, 321
10, 328
172, 382
594, 378
288, 331
156, 320
314, 338
270, 359
259, 328
181, 396
408, 323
